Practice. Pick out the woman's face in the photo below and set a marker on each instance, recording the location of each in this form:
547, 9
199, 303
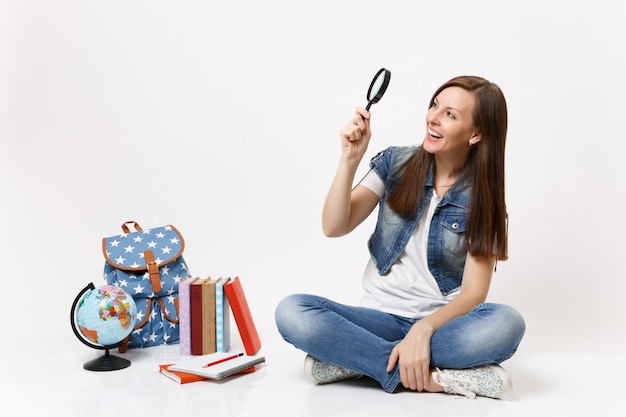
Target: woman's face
449, 125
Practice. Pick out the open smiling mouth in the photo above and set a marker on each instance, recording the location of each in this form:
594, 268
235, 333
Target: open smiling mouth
434, 134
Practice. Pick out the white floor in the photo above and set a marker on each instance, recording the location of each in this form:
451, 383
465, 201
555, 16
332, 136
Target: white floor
45, 381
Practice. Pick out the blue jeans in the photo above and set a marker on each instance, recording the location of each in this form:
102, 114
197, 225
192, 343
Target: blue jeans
361, 338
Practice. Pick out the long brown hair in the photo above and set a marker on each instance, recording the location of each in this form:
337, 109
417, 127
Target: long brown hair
486, 221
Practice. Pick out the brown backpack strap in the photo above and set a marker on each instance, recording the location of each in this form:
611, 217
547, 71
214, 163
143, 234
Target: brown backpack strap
124, 346
153, 271
127, 230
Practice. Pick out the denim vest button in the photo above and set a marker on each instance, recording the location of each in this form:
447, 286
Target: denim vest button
455, 225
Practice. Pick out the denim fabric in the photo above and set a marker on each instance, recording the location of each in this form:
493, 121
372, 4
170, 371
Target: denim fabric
446, 248
361, 339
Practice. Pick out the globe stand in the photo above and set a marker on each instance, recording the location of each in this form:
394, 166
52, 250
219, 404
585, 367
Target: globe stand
106, 362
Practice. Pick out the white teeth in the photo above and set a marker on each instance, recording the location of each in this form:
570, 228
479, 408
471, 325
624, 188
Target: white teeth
435, 134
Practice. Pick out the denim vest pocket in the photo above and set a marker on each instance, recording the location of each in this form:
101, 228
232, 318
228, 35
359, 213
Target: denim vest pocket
453, 234
454, 253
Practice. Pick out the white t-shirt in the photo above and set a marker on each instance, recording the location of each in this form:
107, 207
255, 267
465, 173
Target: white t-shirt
409, 289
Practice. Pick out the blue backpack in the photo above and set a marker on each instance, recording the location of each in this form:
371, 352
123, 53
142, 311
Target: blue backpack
148, 264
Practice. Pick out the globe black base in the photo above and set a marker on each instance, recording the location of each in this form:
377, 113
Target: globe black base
106, 362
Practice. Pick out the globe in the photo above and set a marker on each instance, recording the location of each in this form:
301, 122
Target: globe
102, 317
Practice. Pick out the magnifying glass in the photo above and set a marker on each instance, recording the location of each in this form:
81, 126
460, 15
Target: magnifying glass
378, 87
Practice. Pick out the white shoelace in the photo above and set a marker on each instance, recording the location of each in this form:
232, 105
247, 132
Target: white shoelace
465, 388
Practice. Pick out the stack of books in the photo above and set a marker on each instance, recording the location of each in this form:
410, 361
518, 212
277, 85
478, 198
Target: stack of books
205, 306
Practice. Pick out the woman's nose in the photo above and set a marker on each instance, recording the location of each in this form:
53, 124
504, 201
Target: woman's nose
432, 116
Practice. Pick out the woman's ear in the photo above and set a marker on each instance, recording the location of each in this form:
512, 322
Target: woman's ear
475, 139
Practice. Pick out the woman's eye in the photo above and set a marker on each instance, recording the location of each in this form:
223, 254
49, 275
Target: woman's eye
450, 115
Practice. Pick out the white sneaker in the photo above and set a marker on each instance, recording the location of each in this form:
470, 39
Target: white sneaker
324, 373
487, 381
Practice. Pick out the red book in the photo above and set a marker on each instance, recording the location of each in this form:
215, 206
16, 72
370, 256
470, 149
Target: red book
243, 316
195, 313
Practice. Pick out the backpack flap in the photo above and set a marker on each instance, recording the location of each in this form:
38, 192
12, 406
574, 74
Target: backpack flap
141, 251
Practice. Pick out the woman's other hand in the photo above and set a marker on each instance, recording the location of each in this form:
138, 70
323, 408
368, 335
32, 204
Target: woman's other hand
413, 357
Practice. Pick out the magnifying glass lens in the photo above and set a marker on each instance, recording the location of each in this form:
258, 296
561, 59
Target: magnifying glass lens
378, 87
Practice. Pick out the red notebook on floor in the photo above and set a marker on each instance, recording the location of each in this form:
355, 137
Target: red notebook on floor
243, 316
180, 377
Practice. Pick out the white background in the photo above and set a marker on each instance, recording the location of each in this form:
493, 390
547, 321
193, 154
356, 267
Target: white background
222, 118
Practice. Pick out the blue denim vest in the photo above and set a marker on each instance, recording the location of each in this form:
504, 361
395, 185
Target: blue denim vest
446, 239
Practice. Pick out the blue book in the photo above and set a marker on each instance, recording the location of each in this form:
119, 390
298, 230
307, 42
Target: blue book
222, 317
